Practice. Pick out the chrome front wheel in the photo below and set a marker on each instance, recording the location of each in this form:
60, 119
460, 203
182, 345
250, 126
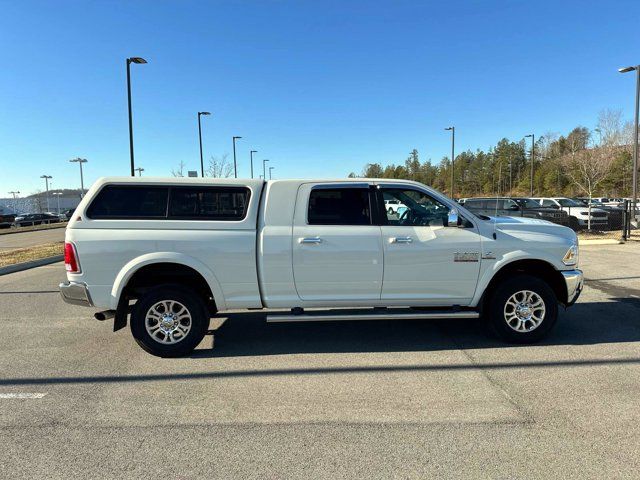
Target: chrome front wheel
524, 311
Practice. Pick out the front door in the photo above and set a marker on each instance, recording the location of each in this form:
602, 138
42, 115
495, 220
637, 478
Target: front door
425, 259
337, 249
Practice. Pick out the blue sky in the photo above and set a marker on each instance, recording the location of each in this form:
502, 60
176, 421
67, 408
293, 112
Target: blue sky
320, 88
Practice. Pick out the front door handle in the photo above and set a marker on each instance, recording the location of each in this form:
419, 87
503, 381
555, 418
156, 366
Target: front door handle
314, 240
401, 240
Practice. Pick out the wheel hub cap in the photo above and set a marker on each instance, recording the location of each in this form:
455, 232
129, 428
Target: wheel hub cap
168, 322
524, 311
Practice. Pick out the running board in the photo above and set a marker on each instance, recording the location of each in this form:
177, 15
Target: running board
349, 315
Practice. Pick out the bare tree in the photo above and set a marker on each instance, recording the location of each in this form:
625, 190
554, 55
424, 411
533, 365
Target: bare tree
220, 167
588, 168
610, 127
180, 171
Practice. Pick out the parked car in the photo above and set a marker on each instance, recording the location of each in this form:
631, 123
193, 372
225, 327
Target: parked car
392, 206
615, 214
578, 213
6, 219
30, 219
68, 213
515, 207
165, 255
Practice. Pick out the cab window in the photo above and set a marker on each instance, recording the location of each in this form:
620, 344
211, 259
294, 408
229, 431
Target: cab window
415, 208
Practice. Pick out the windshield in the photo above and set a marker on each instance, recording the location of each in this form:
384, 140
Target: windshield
566, 202
527, 203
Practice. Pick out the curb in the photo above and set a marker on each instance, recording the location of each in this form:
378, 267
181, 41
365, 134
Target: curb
18, 267
600, 241
13, 232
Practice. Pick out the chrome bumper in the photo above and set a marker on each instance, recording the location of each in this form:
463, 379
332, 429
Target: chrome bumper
75, 294
574, 280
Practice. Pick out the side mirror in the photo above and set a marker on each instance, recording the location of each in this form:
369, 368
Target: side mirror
453, 220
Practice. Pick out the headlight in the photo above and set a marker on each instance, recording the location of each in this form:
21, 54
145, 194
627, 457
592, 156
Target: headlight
571, 257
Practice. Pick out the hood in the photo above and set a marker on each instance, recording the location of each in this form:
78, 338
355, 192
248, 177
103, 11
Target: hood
519, 225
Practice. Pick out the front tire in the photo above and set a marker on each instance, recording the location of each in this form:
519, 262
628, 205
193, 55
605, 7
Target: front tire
522, 309
169, 321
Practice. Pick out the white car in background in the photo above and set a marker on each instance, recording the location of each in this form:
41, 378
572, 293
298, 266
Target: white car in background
578, 212
392, 206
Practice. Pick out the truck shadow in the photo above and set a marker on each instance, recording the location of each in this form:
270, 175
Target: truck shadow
247, 334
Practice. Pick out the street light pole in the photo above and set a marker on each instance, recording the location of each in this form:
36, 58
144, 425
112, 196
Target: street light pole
634, 175
139, 170
264, 170
270, 168
533, 153
200, 137
251, 154
46, 182
57, 194
80, 161
131, 60
235, 165
453, 150
14, 194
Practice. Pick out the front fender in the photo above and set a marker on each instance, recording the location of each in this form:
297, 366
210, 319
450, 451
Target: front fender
125, 274
491, 267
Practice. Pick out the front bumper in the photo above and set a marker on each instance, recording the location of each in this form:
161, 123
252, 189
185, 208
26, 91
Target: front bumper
574, 280
75, 293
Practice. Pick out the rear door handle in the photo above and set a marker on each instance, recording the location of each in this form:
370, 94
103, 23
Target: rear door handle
401, 240
315, 240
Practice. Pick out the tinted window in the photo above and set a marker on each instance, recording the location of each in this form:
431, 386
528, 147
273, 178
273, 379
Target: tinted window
339, 206
124, 201
474, 203
209, 203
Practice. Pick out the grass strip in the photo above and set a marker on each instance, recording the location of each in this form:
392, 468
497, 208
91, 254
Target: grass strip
20, 255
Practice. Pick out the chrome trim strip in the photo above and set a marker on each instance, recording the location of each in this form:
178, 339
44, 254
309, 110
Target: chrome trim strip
332, 317
574, 281
75, 293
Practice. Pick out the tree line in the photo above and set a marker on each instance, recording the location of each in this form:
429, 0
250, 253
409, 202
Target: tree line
585, 162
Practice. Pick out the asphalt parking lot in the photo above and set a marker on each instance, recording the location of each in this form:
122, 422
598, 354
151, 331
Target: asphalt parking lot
407, 399
30, 238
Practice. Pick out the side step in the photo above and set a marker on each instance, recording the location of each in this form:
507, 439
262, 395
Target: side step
369, 314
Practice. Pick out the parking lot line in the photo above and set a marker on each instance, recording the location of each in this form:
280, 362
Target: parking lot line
21, 395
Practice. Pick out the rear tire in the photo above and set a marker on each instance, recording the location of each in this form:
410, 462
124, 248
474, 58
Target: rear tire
522, 309
169, 321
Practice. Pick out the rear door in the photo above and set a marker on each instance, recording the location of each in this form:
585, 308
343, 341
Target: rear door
337, 248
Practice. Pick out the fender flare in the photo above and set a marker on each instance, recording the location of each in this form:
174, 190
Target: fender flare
490, 272
125, 274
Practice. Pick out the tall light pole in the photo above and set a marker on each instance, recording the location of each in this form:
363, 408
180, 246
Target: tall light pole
139, 170
270, 168
634, 175
235, 164
46, 182
251, 154
453, 151
533, 156
131, 60
200, 137
80, 161
14, 193
58, 194
264, 169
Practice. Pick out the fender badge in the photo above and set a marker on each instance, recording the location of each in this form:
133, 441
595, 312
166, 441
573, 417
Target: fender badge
488, 256
466, 256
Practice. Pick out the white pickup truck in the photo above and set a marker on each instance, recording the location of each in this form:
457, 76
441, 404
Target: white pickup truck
166, 255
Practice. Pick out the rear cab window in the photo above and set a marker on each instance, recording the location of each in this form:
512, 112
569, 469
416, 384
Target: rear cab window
339, 206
